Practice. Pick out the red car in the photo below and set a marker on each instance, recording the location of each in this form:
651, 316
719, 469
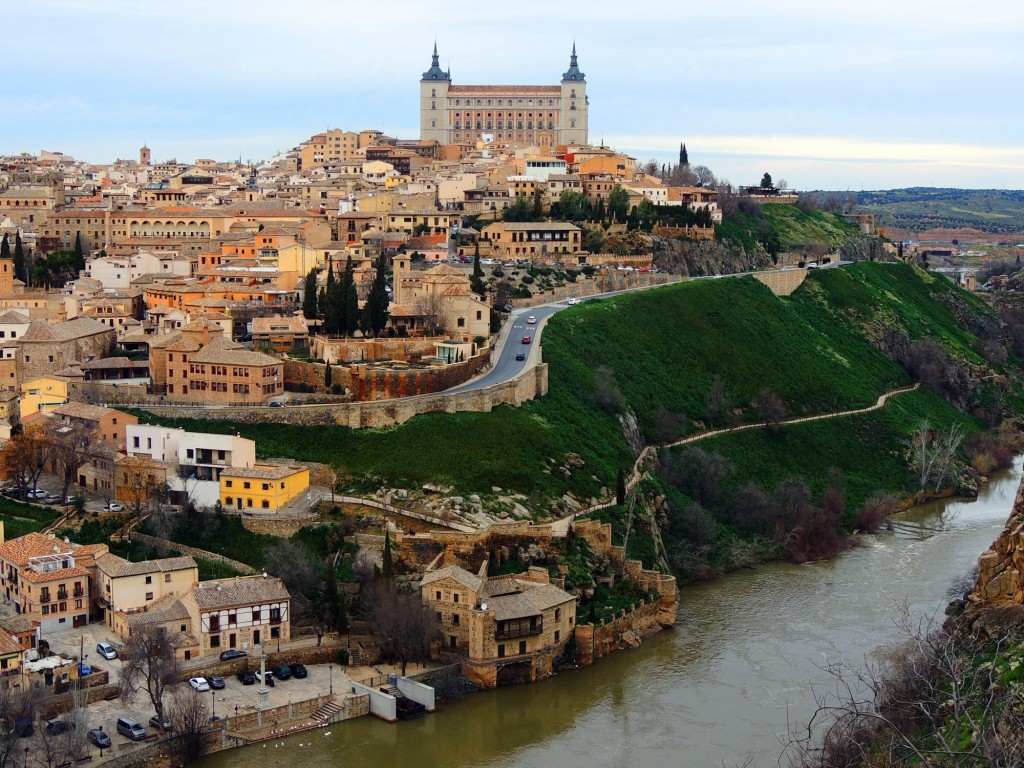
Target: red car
526, 339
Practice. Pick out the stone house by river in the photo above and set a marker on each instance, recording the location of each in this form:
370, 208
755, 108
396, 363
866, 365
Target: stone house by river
511, 628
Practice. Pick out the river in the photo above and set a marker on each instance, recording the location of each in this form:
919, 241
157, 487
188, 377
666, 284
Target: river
716, 690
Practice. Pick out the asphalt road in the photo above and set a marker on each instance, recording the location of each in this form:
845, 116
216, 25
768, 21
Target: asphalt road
506, 367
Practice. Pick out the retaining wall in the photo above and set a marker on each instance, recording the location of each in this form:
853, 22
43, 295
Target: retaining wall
604, 281
185, 550
383, 413
383, 705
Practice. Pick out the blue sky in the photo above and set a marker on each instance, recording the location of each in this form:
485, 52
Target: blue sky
865, 95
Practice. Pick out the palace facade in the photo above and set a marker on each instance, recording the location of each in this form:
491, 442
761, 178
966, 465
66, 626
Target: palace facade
543, 115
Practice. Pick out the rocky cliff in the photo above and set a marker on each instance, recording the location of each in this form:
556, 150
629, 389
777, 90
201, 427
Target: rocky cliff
1001, 567
704, 257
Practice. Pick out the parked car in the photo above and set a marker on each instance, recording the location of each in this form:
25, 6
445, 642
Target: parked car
526, 339
37, 494
282, 672
199, 684
520, 355
232, 654
269, 681
276, 404
59, 726
531, 320
113, 506
216, 683
298, 671
99, 737
52, 498
247, 678
106, 650
23, 727
154, 722
130, 727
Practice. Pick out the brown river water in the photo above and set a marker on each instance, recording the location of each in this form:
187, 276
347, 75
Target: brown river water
719, 688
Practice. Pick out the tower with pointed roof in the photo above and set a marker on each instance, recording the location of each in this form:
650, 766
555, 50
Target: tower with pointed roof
541, 115
434, 87
574, 111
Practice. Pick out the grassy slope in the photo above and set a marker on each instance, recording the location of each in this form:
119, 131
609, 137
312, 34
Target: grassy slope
19, 518
919, 209
793, 227
664, 347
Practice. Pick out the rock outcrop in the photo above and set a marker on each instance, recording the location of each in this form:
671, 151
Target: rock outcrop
1001, 567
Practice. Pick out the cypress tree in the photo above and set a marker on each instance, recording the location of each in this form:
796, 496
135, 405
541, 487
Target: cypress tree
327, 376
329, 296
79, 254
5, 248
19, 260
476, 282
344, 289
620, 487
538, 204
377, 302
352, 309
332, 599
309, 297
387, 562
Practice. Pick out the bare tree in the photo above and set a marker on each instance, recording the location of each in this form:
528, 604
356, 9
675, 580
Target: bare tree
23, 457
191, 720
934, 454
16, 708
303, 574
141, 483
434, 311
72, 446
403, 626
149, 664
926, 702
718, 404
704, 176
770, 409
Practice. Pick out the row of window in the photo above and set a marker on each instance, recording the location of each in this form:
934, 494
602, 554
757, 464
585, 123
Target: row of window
480, 124
247, 485
230, 502
275, 618
501, 102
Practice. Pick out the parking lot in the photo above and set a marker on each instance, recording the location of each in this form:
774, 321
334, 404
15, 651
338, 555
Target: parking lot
71, 642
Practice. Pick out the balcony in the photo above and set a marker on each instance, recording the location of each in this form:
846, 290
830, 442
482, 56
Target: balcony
519, 628
44, 598
79, 592
62, 595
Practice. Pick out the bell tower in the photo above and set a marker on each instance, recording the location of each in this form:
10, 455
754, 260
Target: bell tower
434, 102
574, 110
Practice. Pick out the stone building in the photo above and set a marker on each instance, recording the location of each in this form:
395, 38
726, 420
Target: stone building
48, 347
437, 297
509, 627
544, 242
541, 115
242, 613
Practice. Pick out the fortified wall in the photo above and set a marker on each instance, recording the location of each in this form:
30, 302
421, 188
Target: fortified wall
383, 413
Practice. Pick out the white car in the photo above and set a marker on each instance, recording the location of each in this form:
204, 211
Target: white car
113, 506
199, 684
531, 320
573, 302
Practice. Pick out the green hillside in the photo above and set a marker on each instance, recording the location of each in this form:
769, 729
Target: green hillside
656, 354
787, 226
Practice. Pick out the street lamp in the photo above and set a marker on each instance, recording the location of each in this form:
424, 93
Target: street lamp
213, 698
330, 670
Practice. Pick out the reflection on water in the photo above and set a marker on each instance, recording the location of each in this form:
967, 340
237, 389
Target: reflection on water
723, 685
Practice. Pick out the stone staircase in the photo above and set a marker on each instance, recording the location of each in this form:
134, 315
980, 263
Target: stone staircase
326, 712
355, 655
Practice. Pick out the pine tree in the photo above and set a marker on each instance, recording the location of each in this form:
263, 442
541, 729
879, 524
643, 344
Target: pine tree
309, 297
387, 562
79, 264
5, 248
327, 376
620, 487
19, 260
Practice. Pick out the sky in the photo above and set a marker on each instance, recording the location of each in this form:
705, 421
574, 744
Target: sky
826, 95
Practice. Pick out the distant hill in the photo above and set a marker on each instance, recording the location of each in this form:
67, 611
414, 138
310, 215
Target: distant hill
920, 210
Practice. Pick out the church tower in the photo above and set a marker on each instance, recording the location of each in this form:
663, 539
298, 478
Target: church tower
574, 105
434, 102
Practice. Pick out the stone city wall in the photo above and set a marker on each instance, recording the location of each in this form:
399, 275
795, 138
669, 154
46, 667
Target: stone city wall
358, 350
283, 527
382, 413
51, 706
299, 373
782, 282
383, 382
627, 630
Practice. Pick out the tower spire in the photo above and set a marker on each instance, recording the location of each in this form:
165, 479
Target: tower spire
573, 73
435, 72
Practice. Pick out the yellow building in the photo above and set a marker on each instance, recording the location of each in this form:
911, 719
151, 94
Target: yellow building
43, 394
265, 487
126, 588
